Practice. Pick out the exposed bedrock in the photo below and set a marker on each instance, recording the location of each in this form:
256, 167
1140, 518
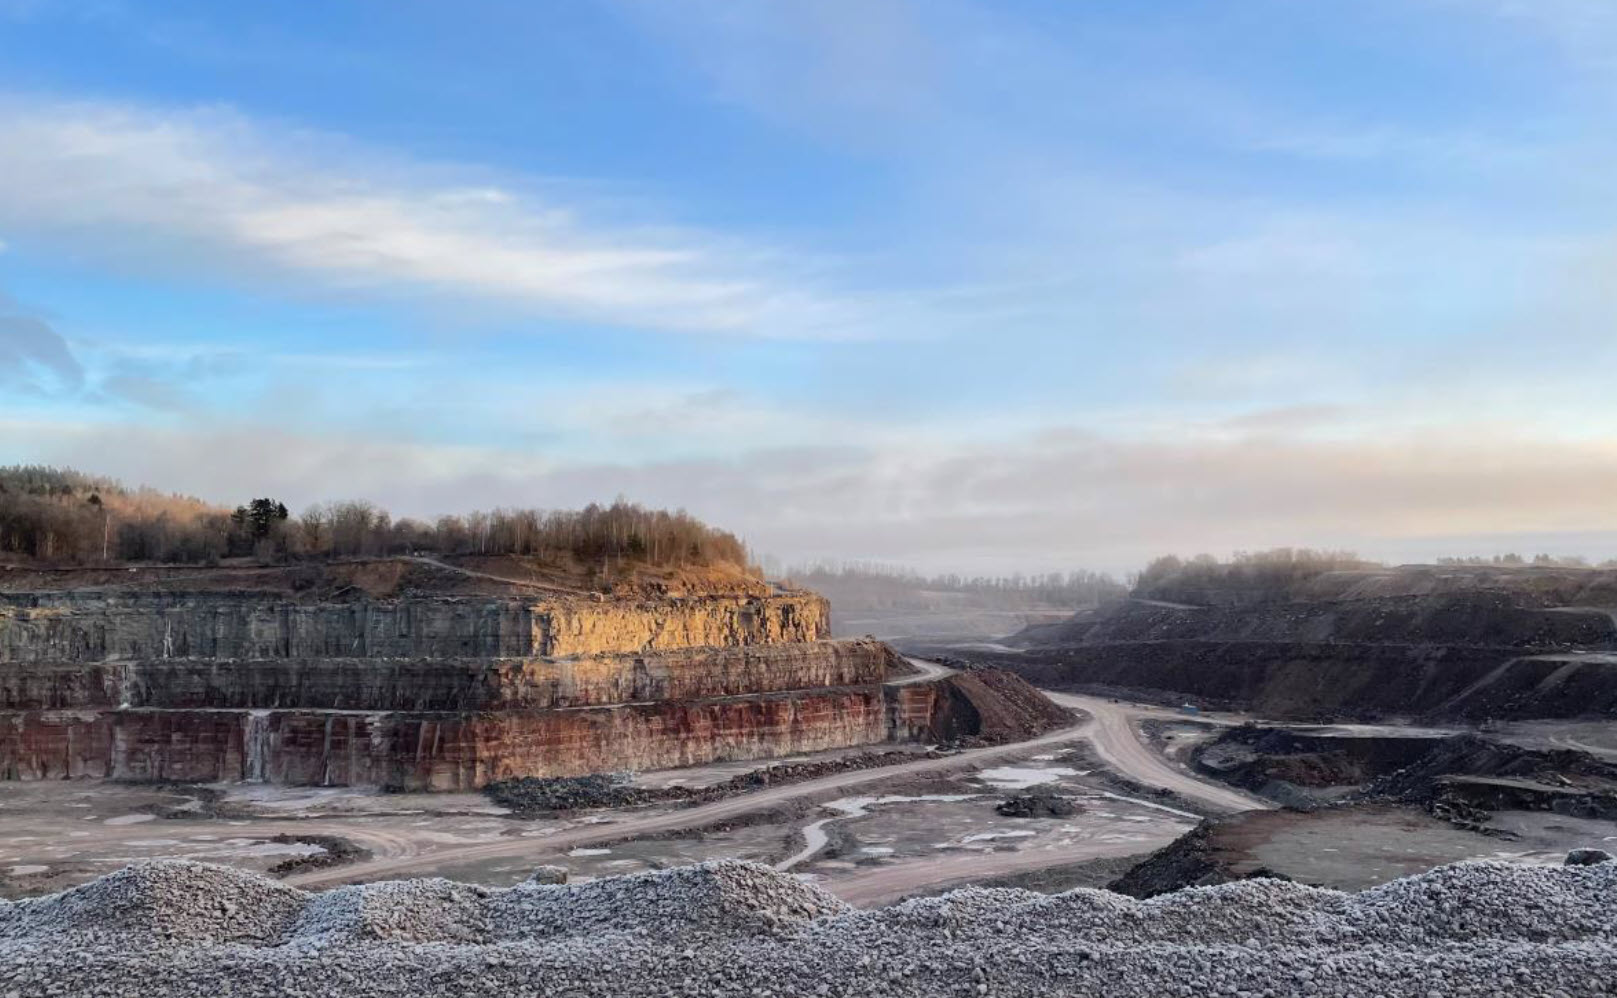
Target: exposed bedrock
451, 692
1306, 680
449, 751
65, 627
459, 751
442, 684
1437, 644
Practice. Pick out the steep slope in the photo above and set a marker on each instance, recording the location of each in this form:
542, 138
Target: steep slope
1412, 642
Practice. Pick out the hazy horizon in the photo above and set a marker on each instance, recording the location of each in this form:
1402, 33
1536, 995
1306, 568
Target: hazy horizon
958, 286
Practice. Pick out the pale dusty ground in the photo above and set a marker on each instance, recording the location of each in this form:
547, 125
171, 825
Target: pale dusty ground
55, 835
870, 836
1359, 848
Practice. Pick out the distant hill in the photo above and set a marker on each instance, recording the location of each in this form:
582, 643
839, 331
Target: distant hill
1311, 636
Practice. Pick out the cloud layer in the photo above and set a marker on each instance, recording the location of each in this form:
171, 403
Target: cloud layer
205, 191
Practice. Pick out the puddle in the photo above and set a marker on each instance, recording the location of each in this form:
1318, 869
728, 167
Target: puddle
985, 836
130, 819
1020, 778
581, 851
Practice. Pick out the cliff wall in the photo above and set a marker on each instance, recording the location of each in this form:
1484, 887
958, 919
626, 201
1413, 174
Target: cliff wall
444, 692
418, 750
441, 684
430, 751
99, 626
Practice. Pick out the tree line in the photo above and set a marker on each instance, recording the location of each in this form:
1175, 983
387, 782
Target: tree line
875, 586
64, 516
1276, 570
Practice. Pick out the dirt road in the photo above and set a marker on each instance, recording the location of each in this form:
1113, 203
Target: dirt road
1113, 734
1110, 727
928, 672
469, 573
812, 791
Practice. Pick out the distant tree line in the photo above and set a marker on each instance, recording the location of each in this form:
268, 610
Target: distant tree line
1537, 560
1277, 570
63, 516
875, 586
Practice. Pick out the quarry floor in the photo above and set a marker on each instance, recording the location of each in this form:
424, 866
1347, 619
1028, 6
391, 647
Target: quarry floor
870, 836
885, 839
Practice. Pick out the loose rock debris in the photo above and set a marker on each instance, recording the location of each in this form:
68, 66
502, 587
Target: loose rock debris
176, 929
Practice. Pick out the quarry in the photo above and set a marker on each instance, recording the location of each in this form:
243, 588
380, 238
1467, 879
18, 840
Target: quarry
304, 718
433, 687
353, 777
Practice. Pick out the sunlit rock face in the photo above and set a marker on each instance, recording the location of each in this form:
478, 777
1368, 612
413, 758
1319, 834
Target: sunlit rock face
420, 693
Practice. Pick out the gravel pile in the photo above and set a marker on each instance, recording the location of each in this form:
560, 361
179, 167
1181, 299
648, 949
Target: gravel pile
731, 928
545, 795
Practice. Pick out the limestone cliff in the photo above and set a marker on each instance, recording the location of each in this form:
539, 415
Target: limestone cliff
435, 691
96, 627
229, 676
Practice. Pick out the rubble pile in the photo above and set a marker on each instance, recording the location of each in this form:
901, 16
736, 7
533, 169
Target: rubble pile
540, 795
1038, 804
726, 928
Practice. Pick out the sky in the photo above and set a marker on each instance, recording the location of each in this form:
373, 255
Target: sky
1022, 285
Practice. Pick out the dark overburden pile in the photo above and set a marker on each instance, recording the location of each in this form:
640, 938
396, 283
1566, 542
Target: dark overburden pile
531, 794
1037, 805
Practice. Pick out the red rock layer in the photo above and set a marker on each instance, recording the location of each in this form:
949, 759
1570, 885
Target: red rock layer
430, 751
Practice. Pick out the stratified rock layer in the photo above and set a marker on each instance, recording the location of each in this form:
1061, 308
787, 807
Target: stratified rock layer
1435, 643
451, 692
420, 692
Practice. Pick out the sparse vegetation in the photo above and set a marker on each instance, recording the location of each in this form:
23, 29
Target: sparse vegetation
1277, 570
1273, 571
61, 516
1514, 560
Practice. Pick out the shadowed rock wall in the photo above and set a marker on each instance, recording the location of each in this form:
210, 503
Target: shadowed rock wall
420, 751
442, 684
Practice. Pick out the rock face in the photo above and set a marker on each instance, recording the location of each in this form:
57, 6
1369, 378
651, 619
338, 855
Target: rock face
69, 627
420, 693
1406, 642
448, 692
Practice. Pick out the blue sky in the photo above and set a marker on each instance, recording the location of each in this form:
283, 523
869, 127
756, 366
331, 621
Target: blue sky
957, 285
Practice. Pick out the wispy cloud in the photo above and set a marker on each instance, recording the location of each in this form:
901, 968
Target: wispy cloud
34, 357
210, 190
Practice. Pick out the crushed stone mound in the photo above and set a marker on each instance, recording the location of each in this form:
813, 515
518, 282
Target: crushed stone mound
405, 911
729, 928
720, 897
159, 903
